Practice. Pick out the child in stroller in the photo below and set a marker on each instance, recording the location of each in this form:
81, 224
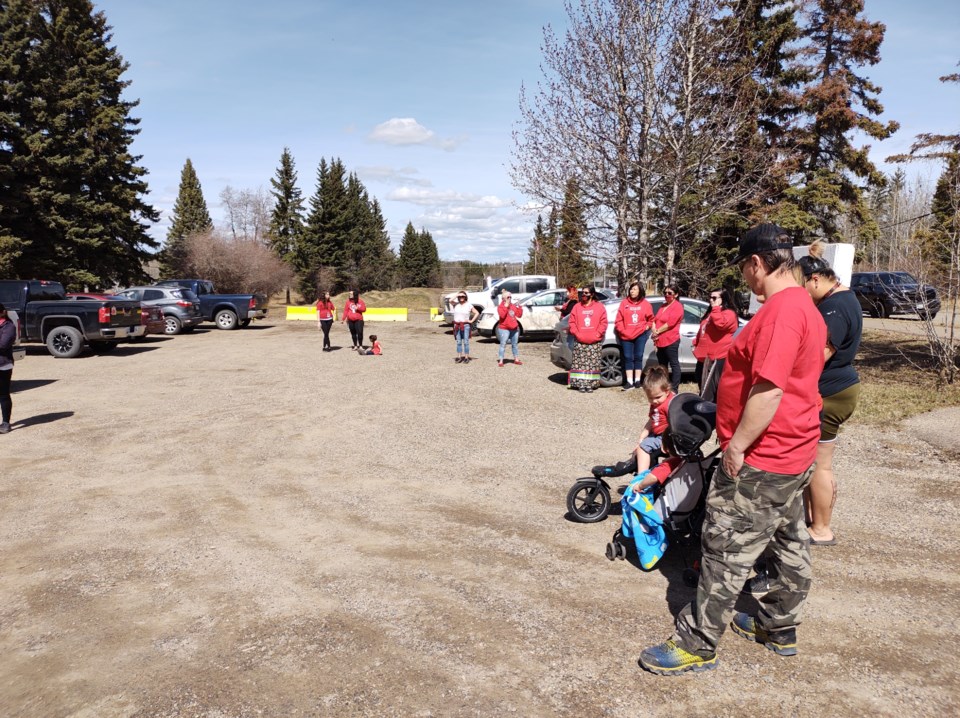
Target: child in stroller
667, 503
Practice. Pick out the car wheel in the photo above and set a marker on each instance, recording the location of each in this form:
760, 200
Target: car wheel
611, 369
883, 311
65, 342
227, 319
172, 325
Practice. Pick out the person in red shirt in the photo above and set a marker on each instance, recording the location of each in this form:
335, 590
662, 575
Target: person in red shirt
713, 340
666, 333
325, 312
768, 426
508, 327
649, 445
632, 325
375, 350
588, 325
353, 315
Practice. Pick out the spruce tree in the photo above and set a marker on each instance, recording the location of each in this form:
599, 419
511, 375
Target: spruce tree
190, 217
574, 267
836, 102
543, 250
419, 261
71, 193
286, 221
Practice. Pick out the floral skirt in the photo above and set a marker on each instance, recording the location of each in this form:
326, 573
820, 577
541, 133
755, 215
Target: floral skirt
585, 366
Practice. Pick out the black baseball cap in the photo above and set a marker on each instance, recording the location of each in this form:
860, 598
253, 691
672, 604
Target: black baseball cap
763, 238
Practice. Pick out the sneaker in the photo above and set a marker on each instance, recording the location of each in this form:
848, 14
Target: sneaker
517, 362
638, 385
758, 585
5, 427
783, 643
458, 360
668, 659
500, 363
628, 387
466, 360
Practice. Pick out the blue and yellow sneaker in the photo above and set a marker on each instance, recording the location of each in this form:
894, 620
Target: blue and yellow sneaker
783, 643
668, 659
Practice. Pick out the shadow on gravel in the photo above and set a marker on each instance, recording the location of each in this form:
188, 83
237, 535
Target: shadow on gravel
559, 378
18, 385
41, 419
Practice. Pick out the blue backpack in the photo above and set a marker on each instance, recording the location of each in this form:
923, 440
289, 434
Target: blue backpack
643, 524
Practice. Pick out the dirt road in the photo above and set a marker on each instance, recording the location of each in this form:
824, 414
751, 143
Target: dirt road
236, 524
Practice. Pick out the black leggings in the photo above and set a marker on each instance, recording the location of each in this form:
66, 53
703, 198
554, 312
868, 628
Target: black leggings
325, 325
6, 403
670, 355
356, 331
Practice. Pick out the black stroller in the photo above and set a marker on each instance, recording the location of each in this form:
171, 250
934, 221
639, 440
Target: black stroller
681, 502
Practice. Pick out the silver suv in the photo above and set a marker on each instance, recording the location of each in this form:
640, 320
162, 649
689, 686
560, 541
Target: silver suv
181, 308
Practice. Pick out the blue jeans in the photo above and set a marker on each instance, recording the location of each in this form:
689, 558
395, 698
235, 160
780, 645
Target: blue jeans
514, 336
633, 352
463, 340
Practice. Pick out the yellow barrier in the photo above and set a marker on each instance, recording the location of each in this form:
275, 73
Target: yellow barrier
436, 315
385, 314
380, 314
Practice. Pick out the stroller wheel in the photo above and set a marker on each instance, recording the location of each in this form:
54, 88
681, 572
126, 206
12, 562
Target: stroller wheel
691, 577
588, 501
611, 552
621, 551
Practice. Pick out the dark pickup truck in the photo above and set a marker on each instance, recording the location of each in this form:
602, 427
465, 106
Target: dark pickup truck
227, 311
66, 326
884, 293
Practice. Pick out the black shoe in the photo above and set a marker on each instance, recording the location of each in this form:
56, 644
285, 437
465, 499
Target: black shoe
783, 643
759, 585
458, 360
5, 427
621, 468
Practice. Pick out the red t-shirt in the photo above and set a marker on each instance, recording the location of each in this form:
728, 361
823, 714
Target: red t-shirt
325, 310
658, 415
352, 311
666, 467
670, 314
715, 334
377, 351
633, 318
588, 324
782, 344
509, 314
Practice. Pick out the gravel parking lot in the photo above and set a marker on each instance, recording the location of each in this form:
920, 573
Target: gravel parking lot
236, 524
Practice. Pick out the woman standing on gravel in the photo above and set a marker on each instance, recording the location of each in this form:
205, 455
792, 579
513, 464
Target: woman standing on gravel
839, 384
712, 342
8, 335
325, 310
666, 334
353, 315
634, 318
464, 315
508, 328
588, 325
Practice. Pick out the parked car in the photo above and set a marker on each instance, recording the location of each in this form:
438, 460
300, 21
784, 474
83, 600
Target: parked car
67, 326
227, 311
180, 307
521, 287
150, 317
611, 365
539, 313
884, 293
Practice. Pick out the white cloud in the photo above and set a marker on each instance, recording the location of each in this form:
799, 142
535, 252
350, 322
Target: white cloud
403, 131
393, 175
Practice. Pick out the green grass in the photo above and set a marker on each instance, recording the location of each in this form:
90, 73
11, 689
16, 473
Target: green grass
898, 379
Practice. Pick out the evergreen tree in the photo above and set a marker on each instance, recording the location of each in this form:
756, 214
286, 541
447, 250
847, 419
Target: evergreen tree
543, 250
190, 217
377, 265
573, 265
837, 102
419, 262
286, 221
71, 193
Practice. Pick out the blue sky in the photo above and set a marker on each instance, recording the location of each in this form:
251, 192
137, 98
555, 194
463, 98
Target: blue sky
418, 98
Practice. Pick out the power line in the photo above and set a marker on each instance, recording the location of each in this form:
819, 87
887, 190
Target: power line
904, 221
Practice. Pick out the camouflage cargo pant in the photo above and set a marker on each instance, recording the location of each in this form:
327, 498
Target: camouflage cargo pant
746, 515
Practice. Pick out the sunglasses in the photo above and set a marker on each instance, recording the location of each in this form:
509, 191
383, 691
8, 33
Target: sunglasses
669, 294
715, 299
462, 298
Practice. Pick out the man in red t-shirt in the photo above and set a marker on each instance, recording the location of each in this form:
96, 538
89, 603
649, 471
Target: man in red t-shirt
768, 426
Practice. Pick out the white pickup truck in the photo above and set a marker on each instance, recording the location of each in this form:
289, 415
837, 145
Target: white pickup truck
520, 286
